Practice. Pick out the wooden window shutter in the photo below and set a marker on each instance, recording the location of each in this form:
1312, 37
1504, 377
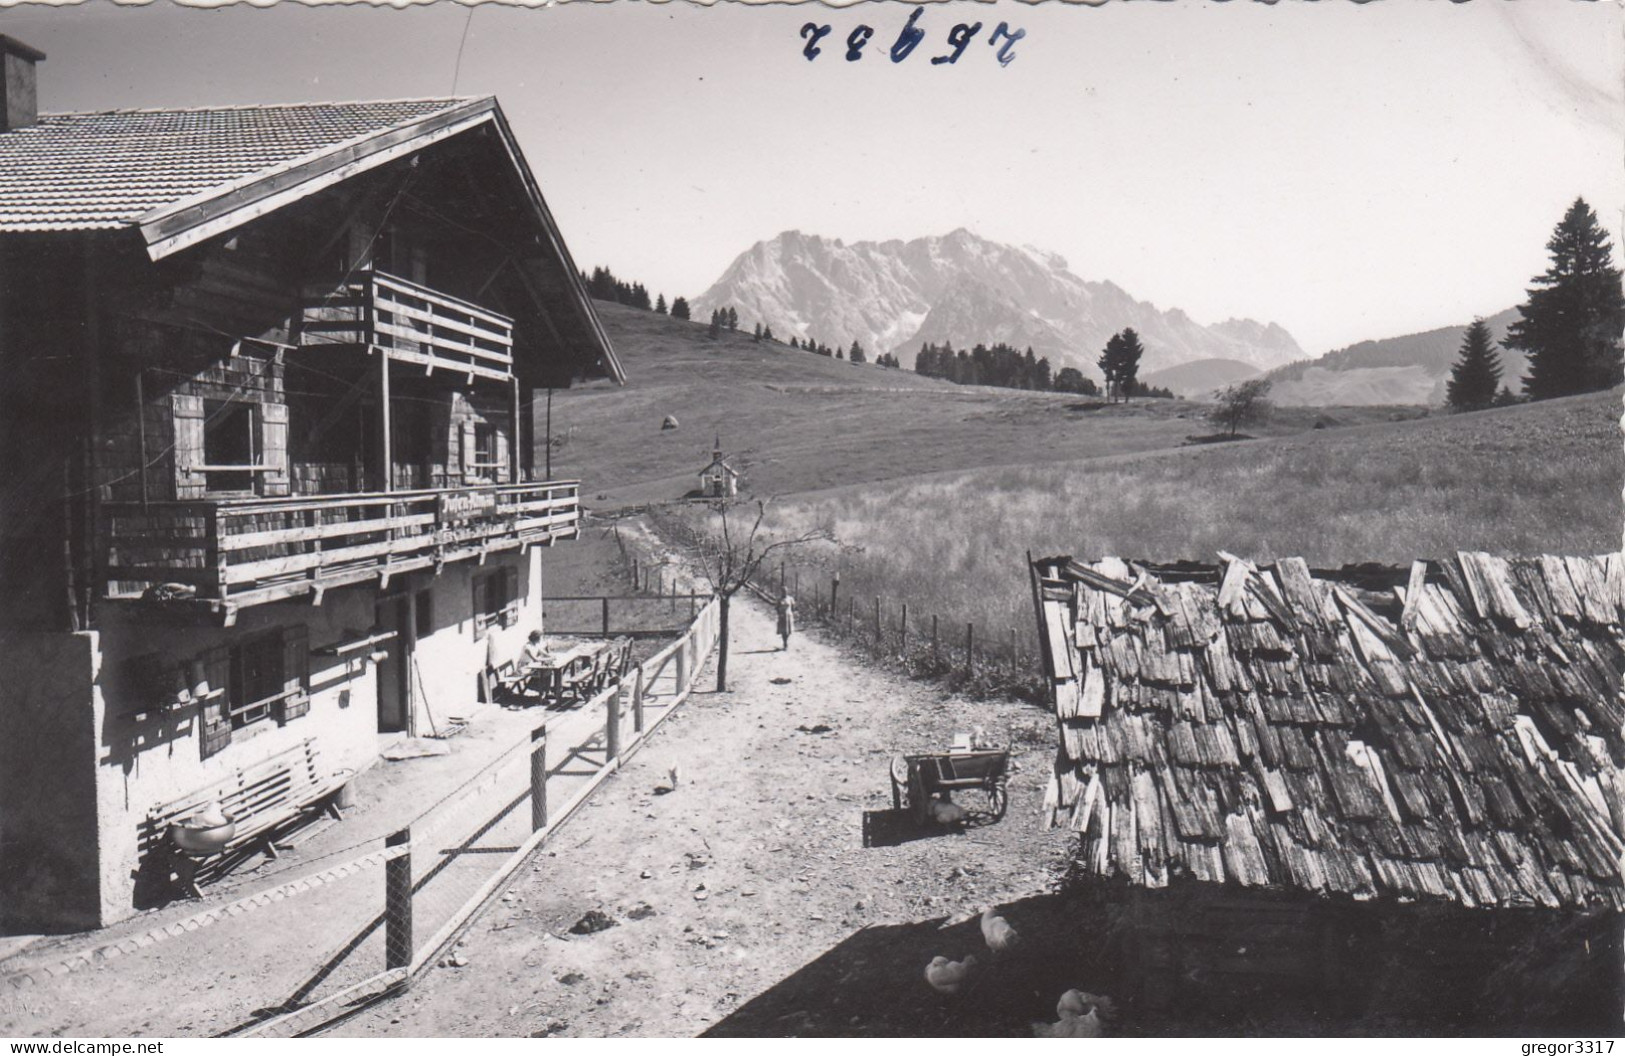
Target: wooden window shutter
468, 444
510, 600
295, 673
482, 586
273, 418
186, 418
214, 715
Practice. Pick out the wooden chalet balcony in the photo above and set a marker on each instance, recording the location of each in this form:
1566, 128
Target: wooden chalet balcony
410, 324
227, 554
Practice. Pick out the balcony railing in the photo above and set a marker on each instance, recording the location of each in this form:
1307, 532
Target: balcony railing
231, 553
411, 324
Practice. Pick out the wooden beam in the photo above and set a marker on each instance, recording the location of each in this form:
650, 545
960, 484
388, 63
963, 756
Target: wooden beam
515, 441
386, 455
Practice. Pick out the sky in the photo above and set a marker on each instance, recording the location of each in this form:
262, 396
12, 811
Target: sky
1349, 171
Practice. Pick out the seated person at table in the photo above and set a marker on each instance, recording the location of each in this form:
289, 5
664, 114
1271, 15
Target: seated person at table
535, 653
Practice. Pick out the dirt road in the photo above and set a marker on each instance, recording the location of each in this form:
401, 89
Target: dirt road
743, 900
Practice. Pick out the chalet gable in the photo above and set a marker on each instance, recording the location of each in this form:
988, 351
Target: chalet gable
183, 179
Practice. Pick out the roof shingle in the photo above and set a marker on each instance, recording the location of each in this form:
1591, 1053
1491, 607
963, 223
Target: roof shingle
1455, 733
77, 172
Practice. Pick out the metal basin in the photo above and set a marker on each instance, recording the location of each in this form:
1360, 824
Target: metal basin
202, 839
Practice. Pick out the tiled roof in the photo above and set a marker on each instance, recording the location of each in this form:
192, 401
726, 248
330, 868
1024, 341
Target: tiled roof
104, 170
1451, 732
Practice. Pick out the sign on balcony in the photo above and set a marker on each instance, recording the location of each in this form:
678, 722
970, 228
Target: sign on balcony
461, 507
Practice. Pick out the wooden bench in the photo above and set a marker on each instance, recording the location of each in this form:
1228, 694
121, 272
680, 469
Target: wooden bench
264, 799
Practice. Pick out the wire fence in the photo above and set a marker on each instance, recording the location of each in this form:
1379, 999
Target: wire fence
454, 858
965, 655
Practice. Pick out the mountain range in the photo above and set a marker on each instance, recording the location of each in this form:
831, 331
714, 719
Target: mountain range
962, 289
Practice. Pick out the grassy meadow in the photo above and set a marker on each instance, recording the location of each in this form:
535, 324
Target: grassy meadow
1529, 479
794, 422
938, 491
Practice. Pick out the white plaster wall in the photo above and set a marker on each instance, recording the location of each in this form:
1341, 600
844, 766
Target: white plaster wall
449, 657
68, 690
143, 763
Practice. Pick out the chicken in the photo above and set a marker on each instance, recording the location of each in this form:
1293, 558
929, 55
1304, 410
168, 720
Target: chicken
1000, 937
945, 976
1085, 1026
1079, 1003
946, 812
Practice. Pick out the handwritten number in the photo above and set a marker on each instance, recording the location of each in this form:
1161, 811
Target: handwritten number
813, 32
958, 38
1004, 30
855, 42
909, 38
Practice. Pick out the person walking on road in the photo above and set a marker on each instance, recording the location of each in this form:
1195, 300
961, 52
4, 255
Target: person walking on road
787, 619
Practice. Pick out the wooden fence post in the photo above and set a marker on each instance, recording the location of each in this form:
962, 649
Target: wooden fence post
936, 653
834, 593
538, 778
635, 571
398, 902
902, 631
1012, 650
606, 616
970, 647
682, 664
637, 701
612, 726
851, 613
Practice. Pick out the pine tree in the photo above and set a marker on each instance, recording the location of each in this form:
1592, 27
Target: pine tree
731, 319
1111, 365
794, 343
1129, 370
767, 333
1477, 372
679, 308
1571, 322
660, 304
715, 328
855, 353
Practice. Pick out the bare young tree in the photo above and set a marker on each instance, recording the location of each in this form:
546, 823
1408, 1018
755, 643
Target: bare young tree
729, 555
1240, 404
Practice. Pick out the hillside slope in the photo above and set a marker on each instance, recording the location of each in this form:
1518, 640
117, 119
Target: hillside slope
792, 421
1412, 368
1199, 378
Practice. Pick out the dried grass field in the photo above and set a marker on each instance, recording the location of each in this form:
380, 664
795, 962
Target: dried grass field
1530, 479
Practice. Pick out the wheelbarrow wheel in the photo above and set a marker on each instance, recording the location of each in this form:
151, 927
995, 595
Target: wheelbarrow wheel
997, 801
899, 782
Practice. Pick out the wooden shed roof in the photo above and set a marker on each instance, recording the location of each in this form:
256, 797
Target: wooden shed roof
1448, 731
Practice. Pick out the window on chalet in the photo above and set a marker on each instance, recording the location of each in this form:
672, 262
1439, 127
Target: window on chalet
485, 446
264, 676
496, 600
229, 445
